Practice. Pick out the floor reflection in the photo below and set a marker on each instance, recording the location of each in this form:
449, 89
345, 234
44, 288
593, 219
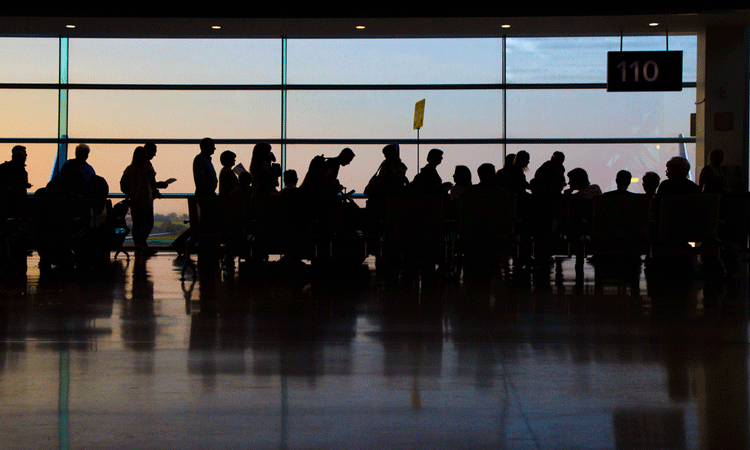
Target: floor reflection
594, 354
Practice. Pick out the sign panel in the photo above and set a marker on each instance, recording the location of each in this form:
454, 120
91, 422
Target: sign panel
419, 114
644, 71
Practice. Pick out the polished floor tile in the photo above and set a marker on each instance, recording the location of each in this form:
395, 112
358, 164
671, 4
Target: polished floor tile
132, 356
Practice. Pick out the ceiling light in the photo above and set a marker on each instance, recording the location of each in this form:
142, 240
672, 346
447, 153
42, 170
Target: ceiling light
216, 27
70, 26
654, 24
505, 26
360, 27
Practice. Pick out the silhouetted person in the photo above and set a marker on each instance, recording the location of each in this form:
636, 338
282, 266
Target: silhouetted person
650, 183
206, 182
15, 182
677, 181
486, 174
333, 165
204, 174
428, 181
290, 180
578, 202
392, 171
461, 181
580, 186
507, 164
77, 174
138, 183
515, 177
228, 180
549, 178
712, 179
151, 153
389, 179
622, 181
262, 170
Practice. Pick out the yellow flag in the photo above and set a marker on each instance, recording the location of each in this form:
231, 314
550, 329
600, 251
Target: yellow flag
419, 114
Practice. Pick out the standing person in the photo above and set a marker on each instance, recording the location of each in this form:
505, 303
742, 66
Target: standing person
550, 176
331, 183
77, 174
15, 182
262, 169
428, 180
138, 183
515, 177
204, 174
228, 180
461, 181
150, 153
712, 179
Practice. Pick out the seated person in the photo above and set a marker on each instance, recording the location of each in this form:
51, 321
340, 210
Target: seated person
622, 180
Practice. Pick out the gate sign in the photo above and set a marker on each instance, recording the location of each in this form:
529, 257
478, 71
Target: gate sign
419, 114
644, 71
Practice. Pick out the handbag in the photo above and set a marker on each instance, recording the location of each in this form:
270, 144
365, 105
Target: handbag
375, 186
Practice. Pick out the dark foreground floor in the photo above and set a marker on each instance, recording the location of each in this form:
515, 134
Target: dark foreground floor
137, 359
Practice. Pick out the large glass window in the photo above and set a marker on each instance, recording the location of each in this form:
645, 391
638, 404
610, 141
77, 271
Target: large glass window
357, 93
394, 61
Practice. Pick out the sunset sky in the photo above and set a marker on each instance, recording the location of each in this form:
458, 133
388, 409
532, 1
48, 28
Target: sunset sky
342, 114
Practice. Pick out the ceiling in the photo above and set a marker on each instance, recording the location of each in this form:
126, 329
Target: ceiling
435, 22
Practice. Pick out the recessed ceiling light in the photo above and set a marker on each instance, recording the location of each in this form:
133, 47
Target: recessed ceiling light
360, 27
216, 27
70, 26
505, 26
654, 24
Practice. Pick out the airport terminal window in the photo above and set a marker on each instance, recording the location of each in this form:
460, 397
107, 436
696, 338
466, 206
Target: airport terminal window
175, 61
582, 59
394, 61
29, 60
357, 92
173, 114
596, 113
378, 114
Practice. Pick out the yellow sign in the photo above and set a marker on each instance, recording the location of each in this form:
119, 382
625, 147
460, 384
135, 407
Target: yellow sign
419, 114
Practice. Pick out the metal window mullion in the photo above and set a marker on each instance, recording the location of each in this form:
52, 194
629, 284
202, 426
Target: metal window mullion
62, 117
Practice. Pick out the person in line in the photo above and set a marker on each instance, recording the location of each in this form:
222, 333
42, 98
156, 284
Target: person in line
290, 180
206, 182
550, 176
138, 183
77, 174
263, 169
228, 180
428, 181
461, 181
151, 153
204, 174
333, 165
712, 179
622, 181
15, 182
515, 177
389, 179
507, 164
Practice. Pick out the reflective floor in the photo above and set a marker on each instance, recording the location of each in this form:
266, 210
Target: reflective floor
133, 357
